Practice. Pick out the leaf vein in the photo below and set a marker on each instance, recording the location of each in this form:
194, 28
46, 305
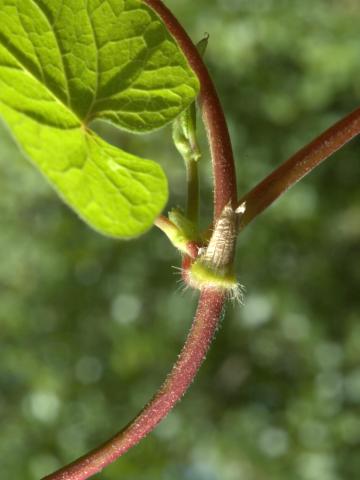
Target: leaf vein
88, 114
62, 54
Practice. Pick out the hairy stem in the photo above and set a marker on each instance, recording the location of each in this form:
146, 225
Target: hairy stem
197, 344
299, 165
211, 301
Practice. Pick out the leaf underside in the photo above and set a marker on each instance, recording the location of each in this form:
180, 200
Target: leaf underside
64, 63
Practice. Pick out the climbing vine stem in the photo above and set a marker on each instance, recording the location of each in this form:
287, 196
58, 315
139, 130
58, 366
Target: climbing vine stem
211, 301
204, 326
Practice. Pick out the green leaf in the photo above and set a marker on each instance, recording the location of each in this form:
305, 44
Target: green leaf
64, 63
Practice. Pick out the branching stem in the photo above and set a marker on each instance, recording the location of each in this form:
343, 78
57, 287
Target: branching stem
192, 181
211, 301
299, 165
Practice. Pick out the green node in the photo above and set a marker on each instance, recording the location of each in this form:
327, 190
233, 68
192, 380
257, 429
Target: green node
202, 275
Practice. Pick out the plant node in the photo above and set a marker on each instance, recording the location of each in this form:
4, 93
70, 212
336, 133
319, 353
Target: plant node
213, 269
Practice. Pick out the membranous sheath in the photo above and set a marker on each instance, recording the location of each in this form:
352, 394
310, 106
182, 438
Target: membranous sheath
214, 266
220, 251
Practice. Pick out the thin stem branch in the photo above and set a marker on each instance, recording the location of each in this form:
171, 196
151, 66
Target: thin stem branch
192, 182
299, 165
164, 224
209, 311
176, 237
213, 115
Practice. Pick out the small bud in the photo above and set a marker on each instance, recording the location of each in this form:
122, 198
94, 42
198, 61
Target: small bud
177, 236
186, 226
184, 127
202, 45
184, 134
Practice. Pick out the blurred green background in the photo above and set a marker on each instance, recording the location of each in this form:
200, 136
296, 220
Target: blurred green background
89, 327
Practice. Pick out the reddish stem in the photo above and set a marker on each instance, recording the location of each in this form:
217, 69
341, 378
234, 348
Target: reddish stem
213, 115
211, 301
193, 353
299, 165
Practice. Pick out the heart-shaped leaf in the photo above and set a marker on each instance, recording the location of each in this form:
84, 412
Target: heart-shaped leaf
64, 63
